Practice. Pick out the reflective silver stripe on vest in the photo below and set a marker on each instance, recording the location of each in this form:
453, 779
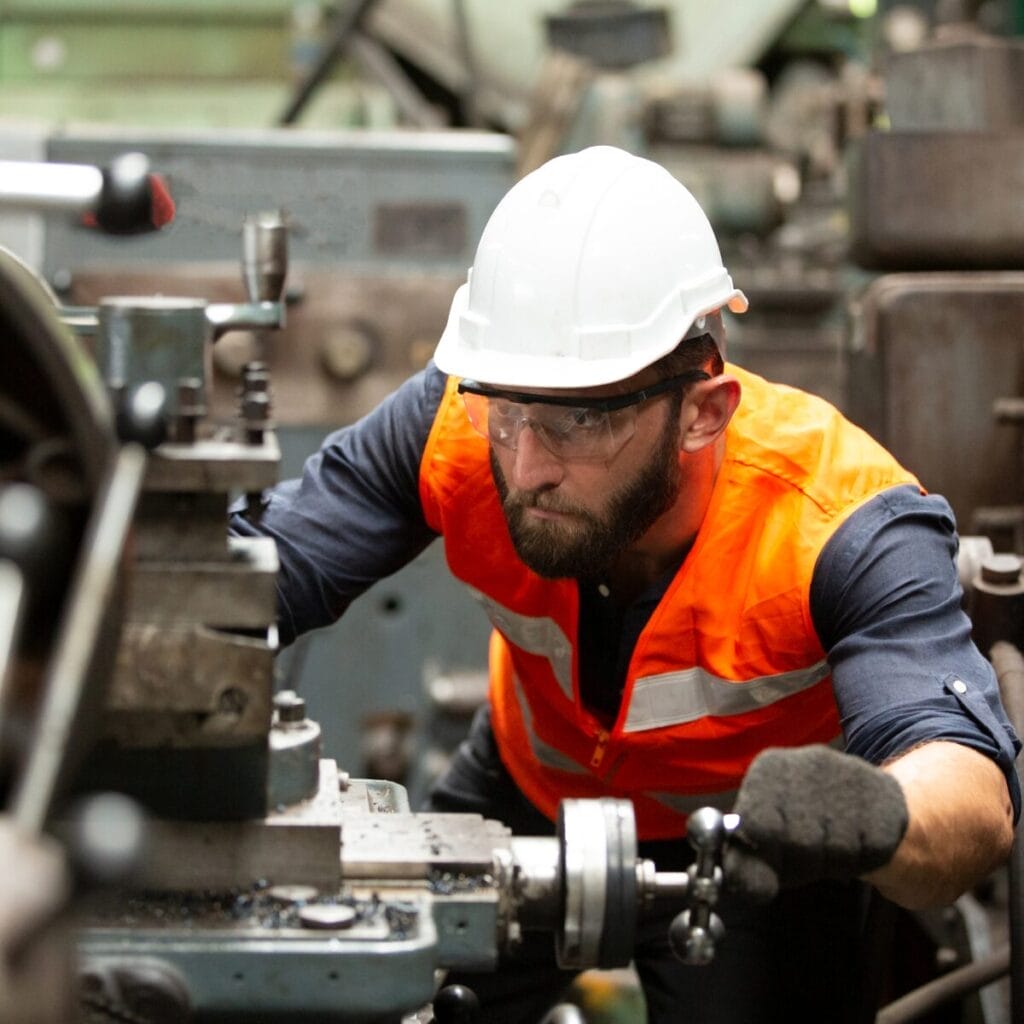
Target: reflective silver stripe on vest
542, 636
687, 803
674, 698
546, 754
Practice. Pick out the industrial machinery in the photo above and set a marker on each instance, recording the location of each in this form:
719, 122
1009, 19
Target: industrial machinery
935, 214
381, 230
275, 885
268, 884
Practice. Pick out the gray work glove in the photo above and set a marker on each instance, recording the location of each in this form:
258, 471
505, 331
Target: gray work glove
809, 813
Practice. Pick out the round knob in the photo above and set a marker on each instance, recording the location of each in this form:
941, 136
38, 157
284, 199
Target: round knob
108, 837
695, 944
28, 531
704, 829
142, 415
234, 351
347, 352
456, 1004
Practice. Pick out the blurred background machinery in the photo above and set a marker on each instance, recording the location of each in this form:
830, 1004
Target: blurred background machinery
861, 161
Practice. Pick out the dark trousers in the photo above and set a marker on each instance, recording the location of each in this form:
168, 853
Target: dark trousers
796, 960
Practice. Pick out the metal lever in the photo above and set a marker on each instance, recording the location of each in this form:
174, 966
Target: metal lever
119, 196
695, 933
264, 267
72, 676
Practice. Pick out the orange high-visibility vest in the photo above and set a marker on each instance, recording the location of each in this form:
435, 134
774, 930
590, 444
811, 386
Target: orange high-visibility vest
729, 662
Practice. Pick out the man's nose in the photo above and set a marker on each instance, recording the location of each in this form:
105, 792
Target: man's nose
533, 466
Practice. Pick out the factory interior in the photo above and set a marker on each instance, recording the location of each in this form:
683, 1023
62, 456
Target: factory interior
228, 229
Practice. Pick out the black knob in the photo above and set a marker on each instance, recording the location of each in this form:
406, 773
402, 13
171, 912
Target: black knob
456, 1004
142, 414
126, 200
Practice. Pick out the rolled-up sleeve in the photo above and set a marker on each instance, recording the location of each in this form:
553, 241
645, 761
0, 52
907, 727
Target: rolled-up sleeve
886, 603
354, 516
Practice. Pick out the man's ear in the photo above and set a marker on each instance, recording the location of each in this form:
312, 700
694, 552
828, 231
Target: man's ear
706, 412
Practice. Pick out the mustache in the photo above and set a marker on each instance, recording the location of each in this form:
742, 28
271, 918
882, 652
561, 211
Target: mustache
546, 501
515, 502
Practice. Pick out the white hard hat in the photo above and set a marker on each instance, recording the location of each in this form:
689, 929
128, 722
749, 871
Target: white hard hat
592, 267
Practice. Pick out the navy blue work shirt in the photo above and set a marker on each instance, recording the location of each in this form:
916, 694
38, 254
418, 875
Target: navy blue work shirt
885, 597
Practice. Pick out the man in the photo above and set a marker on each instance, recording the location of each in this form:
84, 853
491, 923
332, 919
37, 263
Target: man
684, 566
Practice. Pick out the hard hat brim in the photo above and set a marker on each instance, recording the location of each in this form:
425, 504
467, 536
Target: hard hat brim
456, 356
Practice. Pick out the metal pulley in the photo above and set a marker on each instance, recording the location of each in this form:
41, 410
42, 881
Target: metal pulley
604, 888
598, 868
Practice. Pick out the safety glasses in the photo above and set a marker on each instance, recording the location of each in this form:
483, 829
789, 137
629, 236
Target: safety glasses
570, 428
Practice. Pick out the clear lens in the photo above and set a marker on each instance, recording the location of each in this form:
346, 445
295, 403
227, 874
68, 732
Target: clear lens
568, 431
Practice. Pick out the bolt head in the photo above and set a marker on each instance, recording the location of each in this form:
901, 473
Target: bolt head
290, 707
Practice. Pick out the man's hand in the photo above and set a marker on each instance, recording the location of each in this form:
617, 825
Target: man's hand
810, 813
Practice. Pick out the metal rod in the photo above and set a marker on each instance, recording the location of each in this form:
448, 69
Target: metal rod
40, 186
954, 985
378, 63
249, 316
83, 320
69, 670
470, 84
345, 23
1009, 666
12, 600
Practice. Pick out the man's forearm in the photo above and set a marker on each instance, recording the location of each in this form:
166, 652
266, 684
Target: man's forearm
961, 824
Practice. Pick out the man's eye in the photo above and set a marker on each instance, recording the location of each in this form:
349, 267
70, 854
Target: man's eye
586, 419
502, 410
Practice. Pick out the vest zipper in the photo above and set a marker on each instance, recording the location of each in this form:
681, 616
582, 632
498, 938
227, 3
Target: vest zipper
602, 744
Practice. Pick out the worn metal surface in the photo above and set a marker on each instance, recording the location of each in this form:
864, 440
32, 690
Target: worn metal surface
970, 82
336, 188
930, 354
376, 970
298, 844
186, 526
255, 918
925, 199
795, 330
372, 796
148, 338
236, 591
350, 337
401, 846
213, 465
188, 685
294, 773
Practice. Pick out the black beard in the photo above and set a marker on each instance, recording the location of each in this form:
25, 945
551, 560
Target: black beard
588, 546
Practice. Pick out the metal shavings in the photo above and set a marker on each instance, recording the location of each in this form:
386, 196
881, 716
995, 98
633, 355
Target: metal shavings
402, 918
259, 907
445, 883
